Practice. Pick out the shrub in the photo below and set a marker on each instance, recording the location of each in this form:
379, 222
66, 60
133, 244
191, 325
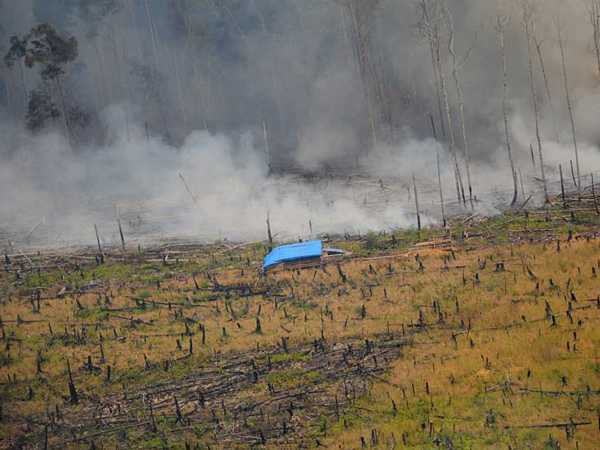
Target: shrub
372, 241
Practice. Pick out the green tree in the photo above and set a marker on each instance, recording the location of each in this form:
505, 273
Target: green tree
45, 48
40, 109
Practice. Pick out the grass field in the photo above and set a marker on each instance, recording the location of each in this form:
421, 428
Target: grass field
490, 344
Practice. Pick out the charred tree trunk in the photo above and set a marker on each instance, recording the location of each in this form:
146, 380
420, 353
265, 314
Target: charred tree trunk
269, 230
73, 397
417, 206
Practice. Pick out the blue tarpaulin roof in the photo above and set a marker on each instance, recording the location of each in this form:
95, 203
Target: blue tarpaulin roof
293, 252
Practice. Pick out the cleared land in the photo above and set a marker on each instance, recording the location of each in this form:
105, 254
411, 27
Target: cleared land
492, 343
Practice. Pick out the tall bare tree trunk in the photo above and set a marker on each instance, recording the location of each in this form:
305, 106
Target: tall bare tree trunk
561, 44
105, 91
135, 30
383, 110
124, 92
459, 186
594, 14
154, 38
140, 53
343, 22
63, 108
209, 93
528, 25
538, 46
360, 38
180, 92
267, 151
203, 103
25, 96
431, 40
417, 204
501, 25
440, 186
235, 22
456, 77
9, 101
127, 79
13, 87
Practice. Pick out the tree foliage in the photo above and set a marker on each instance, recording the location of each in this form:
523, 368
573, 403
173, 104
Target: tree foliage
46, 48
43, 46
40, 110
17, 51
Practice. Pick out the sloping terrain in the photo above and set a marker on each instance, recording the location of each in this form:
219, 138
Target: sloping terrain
488, 343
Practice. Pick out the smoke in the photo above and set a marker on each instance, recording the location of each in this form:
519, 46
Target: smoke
54, 197
215, 71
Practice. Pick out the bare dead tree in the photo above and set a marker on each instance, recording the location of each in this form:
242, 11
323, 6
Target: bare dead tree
436, 28
98, 240
266, 140
529, 29
120, 227
269, 230
114, 40
594, 196
361, 15
105, 90
135, 30
426, 31
440, 186
593, 9
9, 101
457, 62
152, 35
538, 46
521, 182
501, 24
417, 204
180, 92
561, 44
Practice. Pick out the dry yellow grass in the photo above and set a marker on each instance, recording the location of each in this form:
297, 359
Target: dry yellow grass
480, 348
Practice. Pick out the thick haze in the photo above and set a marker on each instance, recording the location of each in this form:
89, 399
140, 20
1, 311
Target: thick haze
182, 88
